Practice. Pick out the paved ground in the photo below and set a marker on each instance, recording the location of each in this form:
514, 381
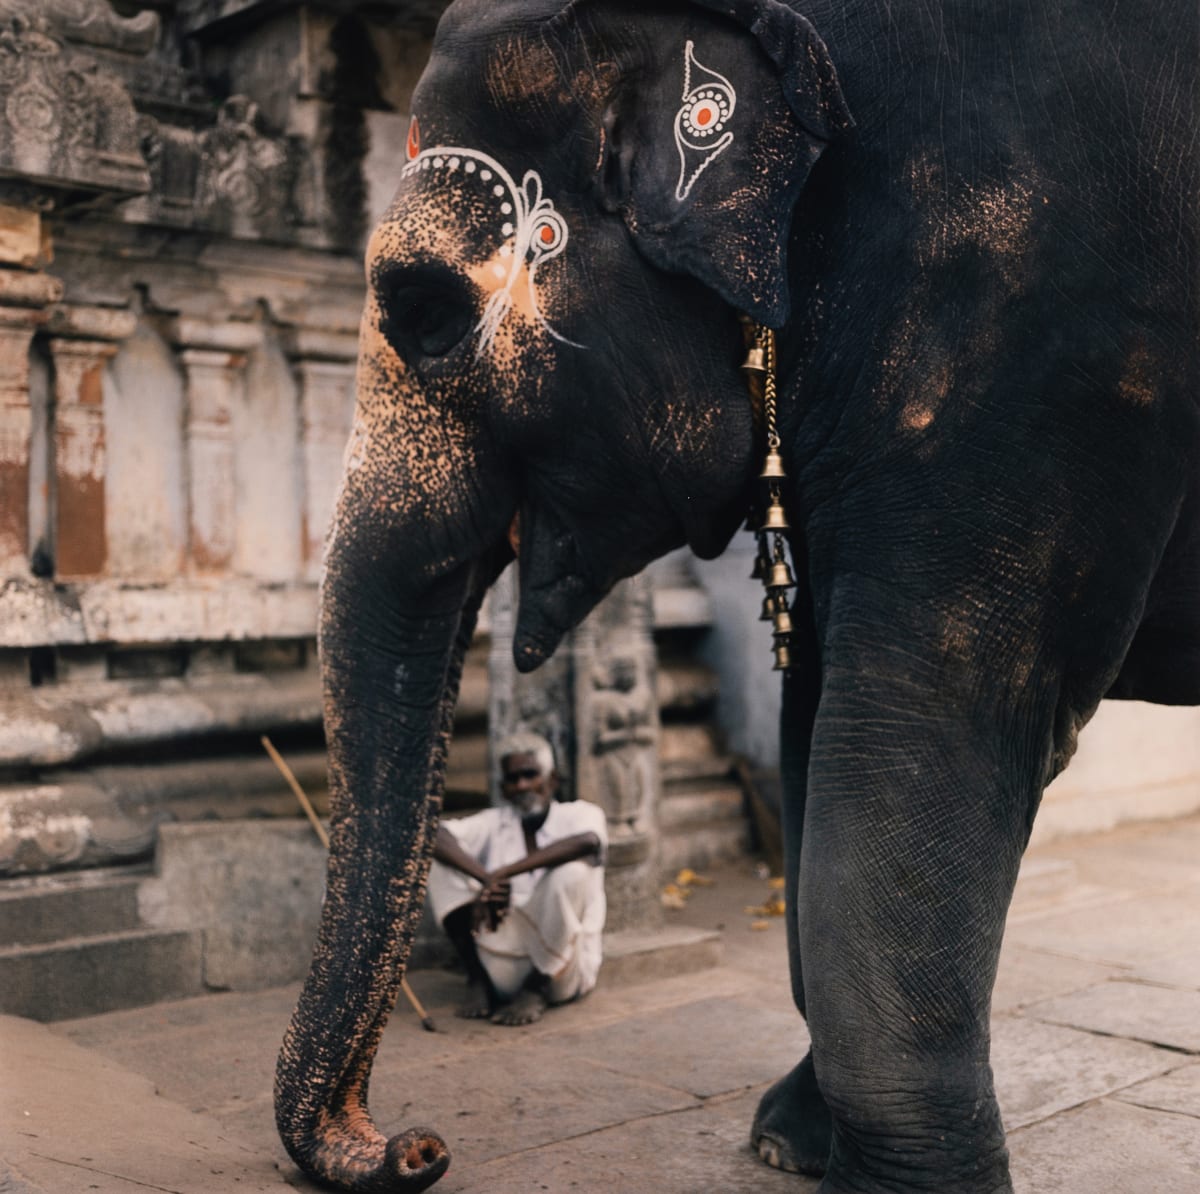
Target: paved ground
651, 1087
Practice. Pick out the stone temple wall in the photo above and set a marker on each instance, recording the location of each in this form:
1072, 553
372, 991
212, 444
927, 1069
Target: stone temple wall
185, 189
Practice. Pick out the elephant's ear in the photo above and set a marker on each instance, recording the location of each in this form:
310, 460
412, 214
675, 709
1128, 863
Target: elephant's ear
709, 135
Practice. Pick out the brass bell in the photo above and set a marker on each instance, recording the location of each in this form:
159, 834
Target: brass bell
768, 608
783, 620
776, 519
783, 658
756, 360
772, 467
781, 576
761, 564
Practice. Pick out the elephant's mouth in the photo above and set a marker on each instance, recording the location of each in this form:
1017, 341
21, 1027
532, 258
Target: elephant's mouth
556, 590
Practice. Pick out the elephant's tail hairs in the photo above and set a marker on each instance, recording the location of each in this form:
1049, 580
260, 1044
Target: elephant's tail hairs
315, 821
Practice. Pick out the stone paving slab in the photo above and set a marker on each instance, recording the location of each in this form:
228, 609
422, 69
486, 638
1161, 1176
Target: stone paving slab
1177, 1091
518, 1098
1081, 898
710, 1047
1138, 1011
1031, 975
1041, 1069
1174, 970
71, 1120
1137, 857
1108, 1147
700, 1151
1128, 932
12, 1182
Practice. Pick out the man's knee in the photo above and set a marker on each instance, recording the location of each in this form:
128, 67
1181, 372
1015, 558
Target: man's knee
571, 875
577, 882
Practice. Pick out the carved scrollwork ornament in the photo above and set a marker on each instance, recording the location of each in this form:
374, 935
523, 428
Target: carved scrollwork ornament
770, 563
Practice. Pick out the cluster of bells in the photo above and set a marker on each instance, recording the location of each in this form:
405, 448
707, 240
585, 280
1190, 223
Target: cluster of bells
770, 564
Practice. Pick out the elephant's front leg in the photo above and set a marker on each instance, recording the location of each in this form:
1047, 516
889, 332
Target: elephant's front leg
918, 810
792, 1129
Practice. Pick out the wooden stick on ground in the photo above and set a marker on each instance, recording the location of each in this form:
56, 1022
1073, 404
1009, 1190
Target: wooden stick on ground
311, 813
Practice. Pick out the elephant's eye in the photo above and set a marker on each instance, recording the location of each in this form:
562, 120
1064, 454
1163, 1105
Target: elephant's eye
425, 312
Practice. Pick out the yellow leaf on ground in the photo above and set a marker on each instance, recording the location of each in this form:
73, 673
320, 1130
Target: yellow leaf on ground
773, 907
759, 925
776, 884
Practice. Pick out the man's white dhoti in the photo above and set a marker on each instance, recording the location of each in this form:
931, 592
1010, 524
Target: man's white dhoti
556, 916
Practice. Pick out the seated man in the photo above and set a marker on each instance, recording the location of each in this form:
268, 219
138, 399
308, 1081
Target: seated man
520, 891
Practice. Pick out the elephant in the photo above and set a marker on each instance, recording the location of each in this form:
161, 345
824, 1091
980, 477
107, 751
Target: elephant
972, 229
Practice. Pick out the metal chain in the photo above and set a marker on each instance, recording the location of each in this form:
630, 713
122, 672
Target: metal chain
769, 396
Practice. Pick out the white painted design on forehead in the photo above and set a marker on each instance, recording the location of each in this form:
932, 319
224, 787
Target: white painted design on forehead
700, 133
533, 231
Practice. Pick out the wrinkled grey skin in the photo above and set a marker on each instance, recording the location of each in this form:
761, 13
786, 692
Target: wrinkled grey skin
974, 226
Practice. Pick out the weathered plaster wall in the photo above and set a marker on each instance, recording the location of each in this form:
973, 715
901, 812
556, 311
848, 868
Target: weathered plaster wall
144, 418
270, 488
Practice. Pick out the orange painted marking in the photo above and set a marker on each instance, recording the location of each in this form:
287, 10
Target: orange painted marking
703, 116
547, 234
414, 139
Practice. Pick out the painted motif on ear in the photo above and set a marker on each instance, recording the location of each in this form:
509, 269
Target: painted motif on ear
701, 135
531, 231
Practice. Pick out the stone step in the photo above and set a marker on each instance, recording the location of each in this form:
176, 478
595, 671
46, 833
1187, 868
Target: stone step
85, 976
701, 846
684, 687
682, 774
643, 955
687, 808
47, 908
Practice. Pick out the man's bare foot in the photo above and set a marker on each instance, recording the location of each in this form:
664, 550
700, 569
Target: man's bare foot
525, 1009
477, 1005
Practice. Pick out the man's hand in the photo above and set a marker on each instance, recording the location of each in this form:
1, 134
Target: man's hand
491, 904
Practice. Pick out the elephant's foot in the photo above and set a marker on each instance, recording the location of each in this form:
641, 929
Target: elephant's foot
792, 1128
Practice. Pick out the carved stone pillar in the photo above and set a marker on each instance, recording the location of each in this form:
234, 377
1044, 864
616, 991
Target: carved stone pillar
82, 340
595, 702
24, 297
617, 730
214, 359
324, 363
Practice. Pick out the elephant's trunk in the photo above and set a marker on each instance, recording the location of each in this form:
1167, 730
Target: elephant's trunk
392, 651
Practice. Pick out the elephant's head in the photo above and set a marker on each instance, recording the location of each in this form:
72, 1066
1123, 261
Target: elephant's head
549, 355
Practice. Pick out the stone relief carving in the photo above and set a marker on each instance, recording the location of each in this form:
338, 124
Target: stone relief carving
92, 22
231, 178
64, 122
245, 178
89, 106
623, 735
